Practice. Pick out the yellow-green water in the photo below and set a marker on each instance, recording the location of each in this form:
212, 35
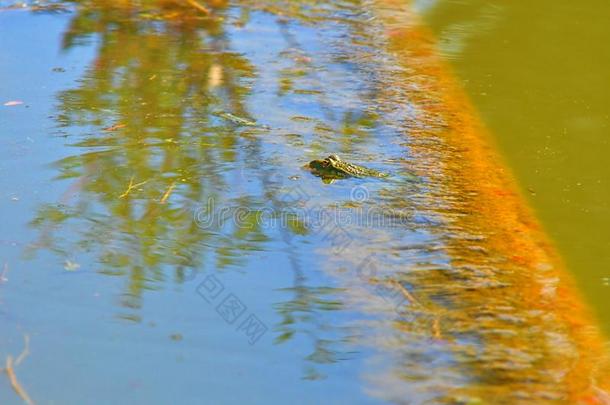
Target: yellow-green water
538, 74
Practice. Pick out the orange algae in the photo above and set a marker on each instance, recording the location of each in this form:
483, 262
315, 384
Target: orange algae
477, 195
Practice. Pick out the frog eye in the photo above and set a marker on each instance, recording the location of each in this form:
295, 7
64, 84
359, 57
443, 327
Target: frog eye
333, 157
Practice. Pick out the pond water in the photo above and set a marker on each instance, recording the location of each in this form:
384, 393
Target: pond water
162, 242
538, 74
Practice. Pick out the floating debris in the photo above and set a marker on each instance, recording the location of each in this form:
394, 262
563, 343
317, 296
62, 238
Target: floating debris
168, 193
69, 265
114, 127
13, 103
3, 278
237, 120
199, 7
9, 369
240, 120
215, 75
131, 186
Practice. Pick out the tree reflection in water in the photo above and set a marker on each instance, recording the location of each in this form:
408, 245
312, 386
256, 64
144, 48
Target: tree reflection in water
153, 146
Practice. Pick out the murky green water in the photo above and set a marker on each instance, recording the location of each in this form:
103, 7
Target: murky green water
156, 248
538, 73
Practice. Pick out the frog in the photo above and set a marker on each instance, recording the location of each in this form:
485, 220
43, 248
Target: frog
333, 168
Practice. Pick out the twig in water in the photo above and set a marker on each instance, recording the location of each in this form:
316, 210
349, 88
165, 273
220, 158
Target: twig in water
436, 329
168, 193
131, 186
199, 7
3, 278
25, 352
406, 293
114, 127
15, 383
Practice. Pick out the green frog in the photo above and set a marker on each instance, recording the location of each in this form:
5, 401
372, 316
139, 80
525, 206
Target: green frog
333, 168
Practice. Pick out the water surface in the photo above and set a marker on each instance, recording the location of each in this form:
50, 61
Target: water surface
158, 249
538, 74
